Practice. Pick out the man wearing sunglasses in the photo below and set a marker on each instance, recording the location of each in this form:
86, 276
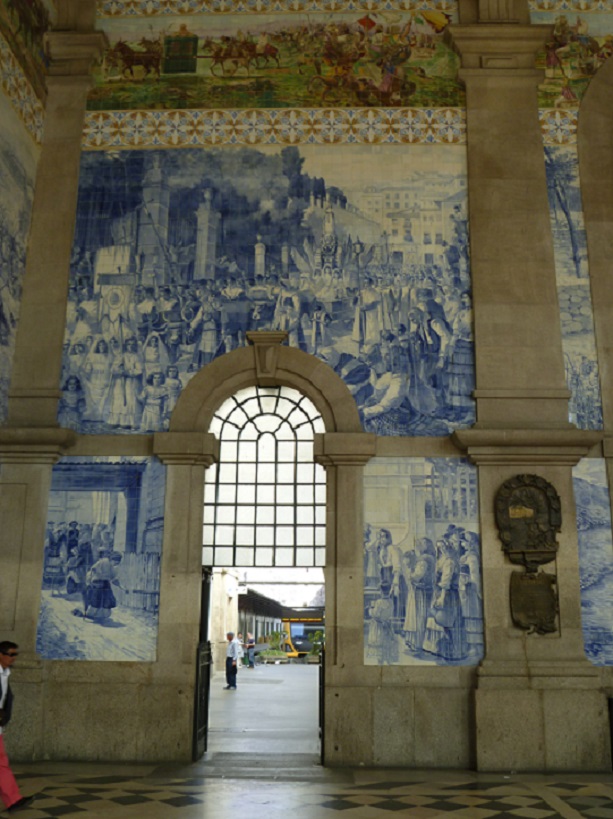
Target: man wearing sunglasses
9, 792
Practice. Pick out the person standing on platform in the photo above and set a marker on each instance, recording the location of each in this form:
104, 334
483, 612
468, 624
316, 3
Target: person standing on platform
9, 791
231, 661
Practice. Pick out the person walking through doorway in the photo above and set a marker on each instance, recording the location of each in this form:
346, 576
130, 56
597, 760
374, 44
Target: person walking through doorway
9, 791
232, 653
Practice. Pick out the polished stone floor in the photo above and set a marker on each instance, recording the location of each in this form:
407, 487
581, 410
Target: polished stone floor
262, 763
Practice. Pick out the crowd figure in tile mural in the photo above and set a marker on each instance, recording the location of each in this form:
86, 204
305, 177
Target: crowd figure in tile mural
80, 562
423, 602
422, 577
12, 256
147, 312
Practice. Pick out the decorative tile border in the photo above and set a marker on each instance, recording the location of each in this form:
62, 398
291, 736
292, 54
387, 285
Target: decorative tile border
156, 8
20, 92
186, 129
189, 129
559, 126
572, 6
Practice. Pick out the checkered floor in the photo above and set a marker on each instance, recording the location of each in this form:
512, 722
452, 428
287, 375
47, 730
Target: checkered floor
197, 792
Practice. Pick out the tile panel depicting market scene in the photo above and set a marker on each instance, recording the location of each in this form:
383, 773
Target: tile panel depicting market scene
360, 256
422, 578
101, 568
593, 505
383, 57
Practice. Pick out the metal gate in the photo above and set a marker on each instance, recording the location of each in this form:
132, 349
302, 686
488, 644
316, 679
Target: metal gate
322, 709
201, 710
204, 661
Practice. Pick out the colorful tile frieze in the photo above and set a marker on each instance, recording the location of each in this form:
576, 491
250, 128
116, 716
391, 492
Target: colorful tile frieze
577, 47
183, 129
346, 60
20, 92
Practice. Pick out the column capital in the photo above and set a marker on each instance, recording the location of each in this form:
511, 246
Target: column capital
344, 448
490, 48
496, 446
186, 448
72, 53
34, 445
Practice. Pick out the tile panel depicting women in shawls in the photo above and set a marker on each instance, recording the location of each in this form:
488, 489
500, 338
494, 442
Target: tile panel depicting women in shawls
422, 577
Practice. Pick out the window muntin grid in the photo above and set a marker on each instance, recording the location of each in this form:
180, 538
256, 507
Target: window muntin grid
265, 501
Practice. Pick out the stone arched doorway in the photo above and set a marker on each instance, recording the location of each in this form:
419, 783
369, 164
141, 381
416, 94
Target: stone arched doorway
188, 448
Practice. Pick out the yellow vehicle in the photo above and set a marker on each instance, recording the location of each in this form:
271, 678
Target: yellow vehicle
303, 632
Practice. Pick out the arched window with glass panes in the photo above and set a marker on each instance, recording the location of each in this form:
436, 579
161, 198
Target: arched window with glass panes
265, 501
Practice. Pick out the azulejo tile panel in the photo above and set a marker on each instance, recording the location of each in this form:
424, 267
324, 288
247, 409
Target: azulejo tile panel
179, 254
101, 566
422, 581
595, 558
183, 129
20, 92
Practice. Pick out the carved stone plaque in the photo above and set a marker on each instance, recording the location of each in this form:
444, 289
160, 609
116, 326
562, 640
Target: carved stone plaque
528, 516
534, 602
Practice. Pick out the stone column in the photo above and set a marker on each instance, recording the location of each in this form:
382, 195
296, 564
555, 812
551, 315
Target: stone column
347, 706
71, 49
187, 455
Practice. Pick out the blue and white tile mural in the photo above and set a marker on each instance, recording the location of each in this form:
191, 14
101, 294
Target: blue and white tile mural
422, 577
362, 259
573, 283
101, 575
18, 157
595, 558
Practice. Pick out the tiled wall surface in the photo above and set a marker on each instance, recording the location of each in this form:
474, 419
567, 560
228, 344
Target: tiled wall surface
422, 579
101, 576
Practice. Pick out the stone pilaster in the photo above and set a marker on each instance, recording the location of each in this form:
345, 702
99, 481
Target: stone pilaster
527, 681
344, 456
71, 49
520, 378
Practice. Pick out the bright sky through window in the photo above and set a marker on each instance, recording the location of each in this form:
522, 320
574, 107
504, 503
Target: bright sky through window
265, 501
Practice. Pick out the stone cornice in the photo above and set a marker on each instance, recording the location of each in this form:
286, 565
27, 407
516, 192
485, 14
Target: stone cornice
39, 445
344, 448
186, 448
526, 446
